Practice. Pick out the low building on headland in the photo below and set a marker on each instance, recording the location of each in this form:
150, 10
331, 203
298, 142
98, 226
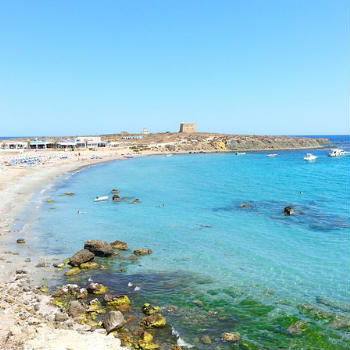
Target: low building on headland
188, 128
41, 144
14, 145
145, 131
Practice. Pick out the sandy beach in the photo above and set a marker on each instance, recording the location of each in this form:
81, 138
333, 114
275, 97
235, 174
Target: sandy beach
27, 318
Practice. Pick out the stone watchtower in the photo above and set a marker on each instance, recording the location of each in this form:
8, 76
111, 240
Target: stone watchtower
189, 128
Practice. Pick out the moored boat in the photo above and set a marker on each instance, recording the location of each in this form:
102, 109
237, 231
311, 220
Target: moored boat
272, 155
100, 198
337, 152
310, 157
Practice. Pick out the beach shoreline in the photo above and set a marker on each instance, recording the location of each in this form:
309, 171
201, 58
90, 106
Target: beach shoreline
27, 317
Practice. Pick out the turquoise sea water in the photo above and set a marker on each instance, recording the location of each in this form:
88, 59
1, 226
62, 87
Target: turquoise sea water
253, 269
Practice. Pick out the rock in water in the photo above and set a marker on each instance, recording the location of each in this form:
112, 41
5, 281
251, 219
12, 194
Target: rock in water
100, 248
82, 256
120, 245
296, 327
20, 241
148, 309
245, 205
206, 339
75, 308
113, 320
97, 288
231, 336
119, 302
143, 251
289, 210
89, 265
73, 271
154, 321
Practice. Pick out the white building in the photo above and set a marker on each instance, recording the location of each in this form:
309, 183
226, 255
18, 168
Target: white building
14, 145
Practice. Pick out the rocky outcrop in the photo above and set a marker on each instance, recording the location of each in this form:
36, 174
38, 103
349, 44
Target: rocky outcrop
113, 320
82, 256
76, 308
118, 302
97, 288
120, 245
98, 247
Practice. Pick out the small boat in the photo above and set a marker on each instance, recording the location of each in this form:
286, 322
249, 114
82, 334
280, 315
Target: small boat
240, 153
169, 155
337, 152
272, 155
310, 157
100, 198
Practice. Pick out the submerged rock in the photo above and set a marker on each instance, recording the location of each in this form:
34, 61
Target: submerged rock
113, 320
89, 265
289, 211
97, 288
136, 201
98, 247
296, 327
120, 245
153, 321
333, 304
231, 336
205, 339
143, 251
245, 205
69, 193
73, 271
82, 256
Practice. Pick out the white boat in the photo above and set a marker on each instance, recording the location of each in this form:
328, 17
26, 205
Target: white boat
337, 152
101, 198
272, 155
310, 157
169, 155
240, 153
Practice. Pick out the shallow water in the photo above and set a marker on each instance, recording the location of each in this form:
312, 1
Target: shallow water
254, 266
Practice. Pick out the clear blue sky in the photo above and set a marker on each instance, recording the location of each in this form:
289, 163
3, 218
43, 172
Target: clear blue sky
70, 67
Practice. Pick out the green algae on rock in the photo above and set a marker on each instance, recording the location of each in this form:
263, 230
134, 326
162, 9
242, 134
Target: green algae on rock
73, 271
153, 321
148, 309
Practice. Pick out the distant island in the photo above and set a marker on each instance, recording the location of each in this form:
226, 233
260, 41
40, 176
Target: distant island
185, 141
